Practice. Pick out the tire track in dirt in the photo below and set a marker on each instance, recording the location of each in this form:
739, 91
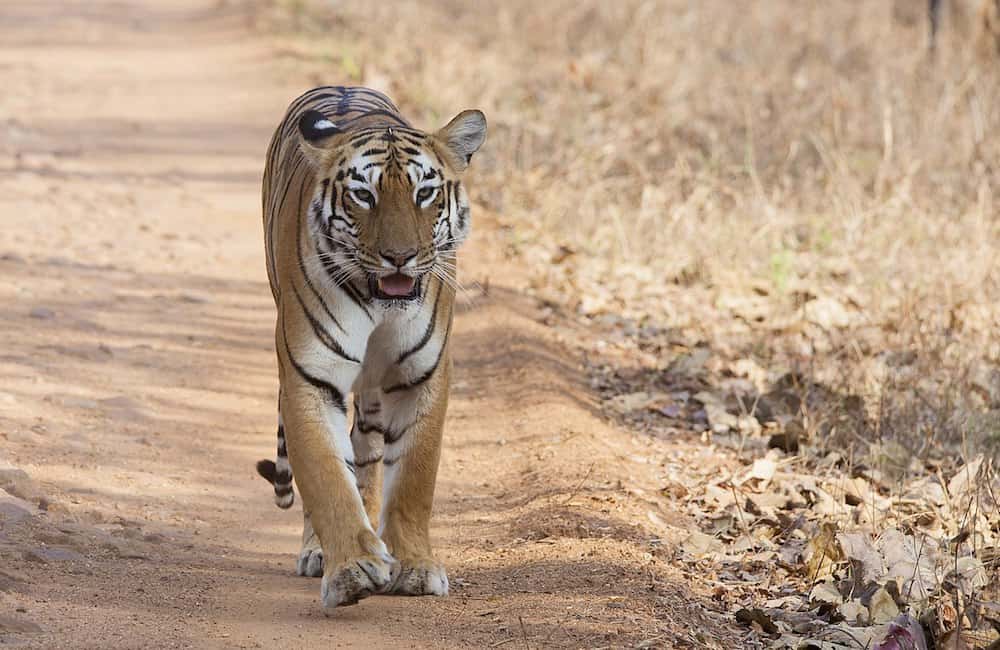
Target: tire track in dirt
138, 382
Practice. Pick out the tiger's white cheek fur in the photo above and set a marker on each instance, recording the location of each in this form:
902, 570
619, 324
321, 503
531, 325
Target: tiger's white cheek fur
356, 324
462, 220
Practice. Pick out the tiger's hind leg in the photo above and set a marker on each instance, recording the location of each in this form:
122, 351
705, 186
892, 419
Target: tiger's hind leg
310, 562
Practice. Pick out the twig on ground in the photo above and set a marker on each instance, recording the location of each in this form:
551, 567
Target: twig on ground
578, 486
739, 511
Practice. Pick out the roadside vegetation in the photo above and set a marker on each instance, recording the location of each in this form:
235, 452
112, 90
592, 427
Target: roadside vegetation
778, 223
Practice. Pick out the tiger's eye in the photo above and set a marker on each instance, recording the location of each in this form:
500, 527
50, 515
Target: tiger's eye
364, 196
424, 193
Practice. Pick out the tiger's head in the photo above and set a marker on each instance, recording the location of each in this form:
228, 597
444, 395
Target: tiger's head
389, 208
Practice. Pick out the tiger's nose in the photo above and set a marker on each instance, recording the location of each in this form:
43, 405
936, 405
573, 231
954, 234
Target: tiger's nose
398, 258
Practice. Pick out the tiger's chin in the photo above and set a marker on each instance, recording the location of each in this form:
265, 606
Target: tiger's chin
396, 288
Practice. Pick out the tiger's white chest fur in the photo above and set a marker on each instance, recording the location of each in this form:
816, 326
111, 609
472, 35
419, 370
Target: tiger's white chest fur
384, 344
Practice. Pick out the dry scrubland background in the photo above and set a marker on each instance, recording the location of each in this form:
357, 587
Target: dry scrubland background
796, 181
780, 217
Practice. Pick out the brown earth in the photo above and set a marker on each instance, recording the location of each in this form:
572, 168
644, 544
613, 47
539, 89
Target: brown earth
137, 383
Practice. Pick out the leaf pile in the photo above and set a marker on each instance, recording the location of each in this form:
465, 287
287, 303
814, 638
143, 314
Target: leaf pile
817, 559
821, 521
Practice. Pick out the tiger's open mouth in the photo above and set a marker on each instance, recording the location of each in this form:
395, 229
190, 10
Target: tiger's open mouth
397, 286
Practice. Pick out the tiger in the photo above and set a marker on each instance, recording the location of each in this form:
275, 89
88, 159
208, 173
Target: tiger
363, 217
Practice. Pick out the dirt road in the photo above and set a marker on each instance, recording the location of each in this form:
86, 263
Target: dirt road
137, 382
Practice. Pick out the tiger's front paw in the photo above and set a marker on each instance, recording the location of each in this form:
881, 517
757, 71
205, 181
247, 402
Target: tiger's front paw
420, 578
357, 578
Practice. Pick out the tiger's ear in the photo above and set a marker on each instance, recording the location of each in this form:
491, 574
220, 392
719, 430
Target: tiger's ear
317, 131
463, 136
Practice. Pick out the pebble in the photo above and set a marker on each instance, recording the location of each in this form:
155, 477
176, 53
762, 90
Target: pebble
42, 313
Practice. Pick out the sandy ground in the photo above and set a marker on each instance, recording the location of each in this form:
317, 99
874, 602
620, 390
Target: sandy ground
137, 383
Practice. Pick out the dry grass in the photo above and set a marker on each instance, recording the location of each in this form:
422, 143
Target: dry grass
717, 167
799, 187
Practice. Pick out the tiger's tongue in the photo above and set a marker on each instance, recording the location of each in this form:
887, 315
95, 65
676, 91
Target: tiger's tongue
396, 284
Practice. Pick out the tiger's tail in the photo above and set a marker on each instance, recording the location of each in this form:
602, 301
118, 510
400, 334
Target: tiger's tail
279, 472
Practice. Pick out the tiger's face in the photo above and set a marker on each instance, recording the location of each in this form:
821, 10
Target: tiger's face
389, 208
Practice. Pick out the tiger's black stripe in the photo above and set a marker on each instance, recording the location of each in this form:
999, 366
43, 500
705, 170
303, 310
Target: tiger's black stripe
324, 188
332, 270
338, 197
335, 396
272, 224
301, 101
446, 212
463, 211
430, 371
380, 113
363, 140
327, 339
431, 326
362, 427
309, 282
